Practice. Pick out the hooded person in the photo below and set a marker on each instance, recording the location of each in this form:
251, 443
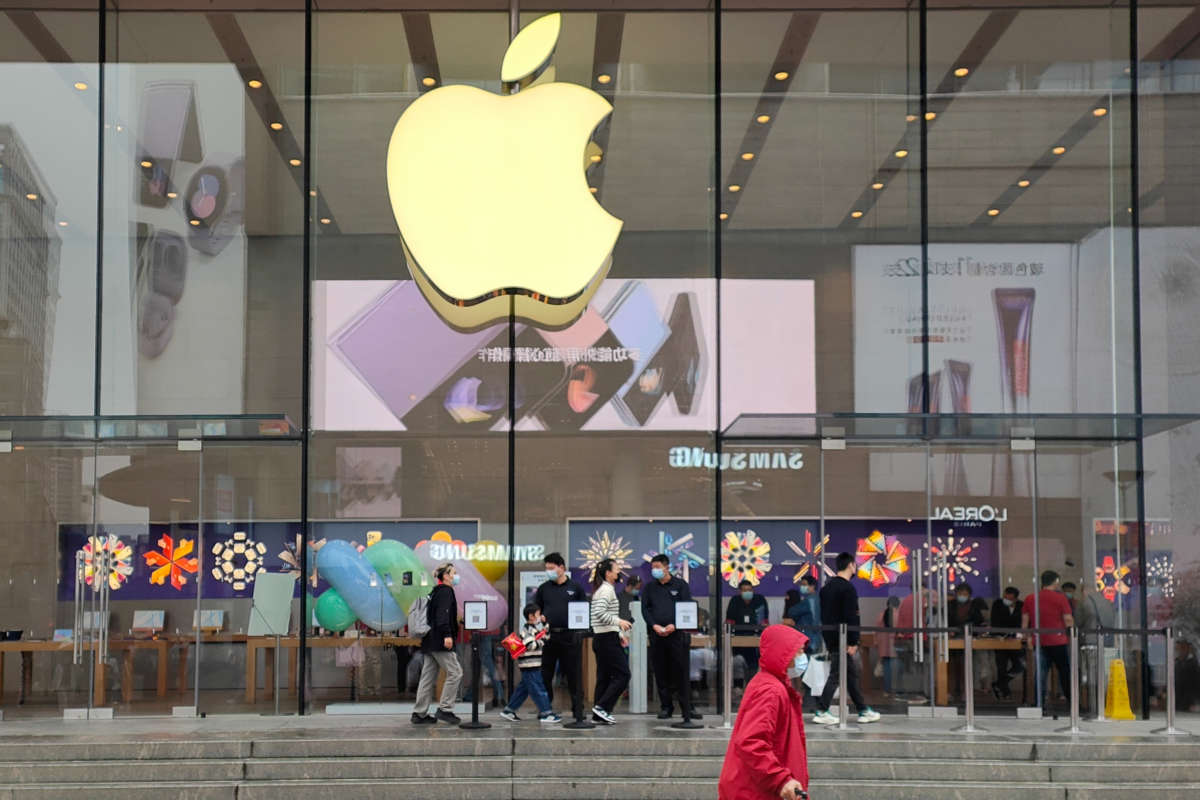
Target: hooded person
767, 756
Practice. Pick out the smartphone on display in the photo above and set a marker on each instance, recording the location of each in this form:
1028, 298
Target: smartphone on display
401, 350
167, 132
590, 383
633, 317
475, 396
675, 370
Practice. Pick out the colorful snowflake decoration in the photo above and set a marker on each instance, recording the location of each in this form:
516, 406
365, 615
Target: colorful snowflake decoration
809, 555
1112, 580
291, 558
954, 557
604, 546
683, 560
1161, 575
744, 556
238, 560
106, 554
881, 559
172, 561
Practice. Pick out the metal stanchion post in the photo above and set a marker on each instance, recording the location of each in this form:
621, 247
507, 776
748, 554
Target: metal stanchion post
277, 649
1171, 730
969, 683
476, 688
843, 705
1073, 658
727, 675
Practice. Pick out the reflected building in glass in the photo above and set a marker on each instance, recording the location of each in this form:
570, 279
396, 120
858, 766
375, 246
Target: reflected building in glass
914, 283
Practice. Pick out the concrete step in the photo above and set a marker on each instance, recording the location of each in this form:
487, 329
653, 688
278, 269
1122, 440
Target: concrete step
123, 791
1140, 772
132, 772
406, 789
338, 769
1131, 750
56, 748
439, 744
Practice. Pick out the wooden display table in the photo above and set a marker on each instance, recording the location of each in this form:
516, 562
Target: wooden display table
185, 642
291, 645
988, 643
161, 648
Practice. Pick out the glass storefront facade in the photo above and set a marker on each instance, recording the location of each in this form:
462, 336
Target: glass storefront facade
845, 227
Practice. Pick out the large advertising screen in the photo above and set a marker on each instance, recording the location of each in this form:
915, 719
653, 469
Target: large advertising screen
641, 357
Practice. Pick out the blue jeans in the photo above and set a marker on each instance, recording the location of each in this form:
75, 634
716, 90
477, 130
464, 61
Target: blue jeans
531, 686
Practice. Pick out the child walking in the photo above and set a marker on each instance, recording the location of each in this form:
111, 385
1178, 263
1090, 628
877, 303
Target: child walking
533, 635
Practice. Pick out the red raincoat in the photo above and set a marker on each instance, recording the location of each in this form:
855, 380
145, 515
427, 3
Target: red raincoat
767, 748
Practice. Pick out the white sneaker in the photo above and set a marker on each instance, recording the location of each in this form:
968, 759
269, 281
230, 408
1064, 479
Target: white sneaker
825, 718
603, 716
550, 719
868, 715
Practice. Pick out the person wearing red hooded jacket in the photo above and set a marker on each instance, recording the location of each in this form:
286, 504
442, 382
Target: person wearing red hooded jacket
767, 756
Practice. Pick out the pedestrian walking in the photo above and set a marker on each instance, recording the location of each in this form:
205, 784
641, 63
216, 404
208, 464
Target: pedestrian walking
437, 650
839, 605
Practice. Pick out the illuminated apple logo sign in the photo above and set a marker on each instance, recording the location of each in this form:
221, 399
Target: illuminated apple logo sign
491, 196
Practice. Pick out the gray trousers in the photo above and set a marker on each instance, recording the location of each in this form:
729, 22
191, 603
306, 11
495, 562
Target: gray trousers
430, 664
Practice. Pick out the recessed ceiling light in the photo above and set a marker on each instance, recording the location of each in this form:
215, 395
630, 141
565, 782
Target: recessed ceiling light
596, 158
747, 156
735, 188
172, 195
781, 76
312, 192
194, 222
724, 215
901, 154
325, 220
31, 196
593, 189
1058, 151
147, 163
295, 162
276, 126
1023, 182
1099, 112
910, 118
428, 80
856, 214
877, 185
62, 223
254, 83
993, 212
120, 128
930, 116
603, 78
961, 72
763, 119
81, 86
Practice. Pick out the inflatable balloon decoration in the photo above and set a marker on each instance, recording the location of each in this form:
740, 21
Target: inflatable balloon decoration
472, 585
376, 586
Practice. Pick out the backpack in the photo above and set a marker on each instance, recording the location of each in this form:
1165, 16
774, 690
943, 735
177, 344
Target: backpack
418, 617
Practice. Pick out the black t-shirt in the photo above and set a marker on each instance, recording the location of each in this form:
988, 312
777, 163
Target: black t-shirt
553, 598
659, 599
839, 603
746, 616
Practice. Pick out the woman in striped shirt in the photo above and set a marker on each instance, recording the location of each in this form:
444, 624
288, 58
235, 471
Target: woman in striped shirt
612, 664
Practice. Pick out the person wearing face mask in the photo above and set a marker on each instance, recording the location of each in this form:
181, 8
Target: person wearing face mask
963, 611
767, 756
608, 638
437, 646
747, 611
806, 613
565, 645
669, 647
839, 604
1006, 613
628, 596
1068, 590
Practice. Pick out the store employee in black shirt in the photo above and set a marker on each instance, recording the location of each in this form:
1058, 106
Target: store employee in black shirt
564, 644
669, 648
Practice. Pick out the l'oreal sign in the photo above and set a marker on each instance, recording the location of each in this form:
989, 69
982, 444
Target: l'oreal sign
699, 458
971, 513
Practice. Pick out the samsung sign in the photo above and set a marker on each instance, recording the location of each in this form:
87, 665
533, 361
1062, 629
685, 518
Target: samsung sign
971, 513
699, 458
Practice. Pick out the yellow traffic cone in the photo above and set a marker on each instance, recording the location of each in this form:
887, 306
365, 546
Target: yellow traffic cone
1116, 698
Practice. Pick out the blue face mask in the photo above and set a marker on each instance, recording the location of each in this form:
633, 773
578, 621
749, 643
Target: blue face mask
805, 588
657, 573
747, 596
799, 665
962, 598
552, 574
456, 579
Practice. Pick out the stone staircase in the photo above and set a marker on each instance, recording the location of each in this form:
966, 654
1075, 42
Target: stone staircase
650, 763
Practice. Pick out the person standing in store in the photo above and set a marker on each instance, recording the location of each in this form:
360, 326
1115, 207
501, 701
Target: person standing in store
608, 639
437, 649
839, 605
629, 596
806, 613
1052, 610
1006, 613
747, 612
668, 647
767, 756
565, 645
963, 611
1068, 590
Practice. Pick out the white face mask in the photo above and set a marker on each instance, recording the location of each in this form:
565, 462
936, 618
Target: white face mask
799, 664
552, 574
